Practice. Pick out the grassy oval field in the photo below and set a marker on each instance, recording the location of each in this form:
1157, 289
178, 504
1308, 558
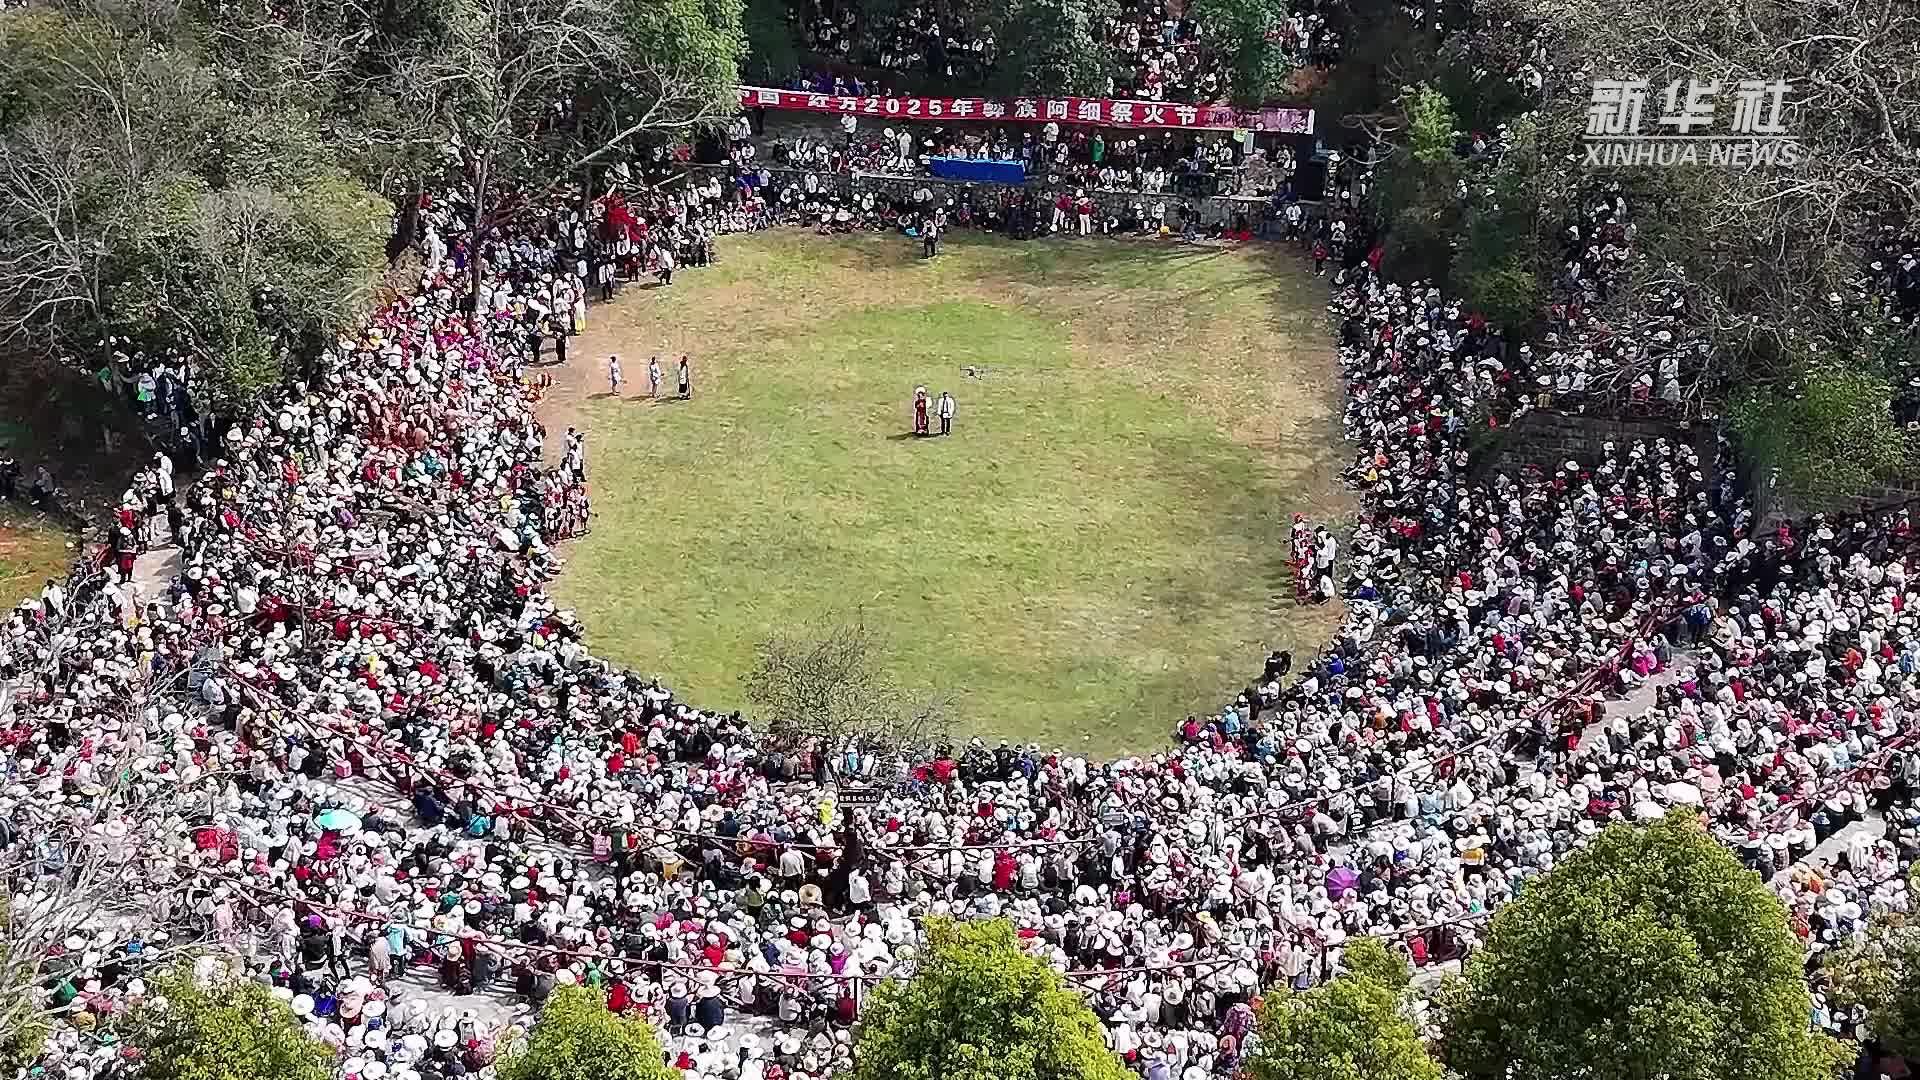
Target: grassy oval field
1098, 549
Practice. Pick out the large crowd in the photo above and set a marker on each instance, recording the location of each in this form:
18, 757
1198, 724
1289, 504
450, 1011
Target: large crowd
1150, 162
1136, 184
356, 746
1153, 51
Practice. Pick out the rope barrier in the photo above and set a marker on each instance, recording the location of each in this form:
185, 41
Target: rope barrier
596, 954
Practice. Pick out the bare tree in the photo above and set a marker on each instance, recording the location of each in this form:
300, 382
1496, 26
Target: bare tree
1771, 242
75, 178
51, 263
498, 87
830, 682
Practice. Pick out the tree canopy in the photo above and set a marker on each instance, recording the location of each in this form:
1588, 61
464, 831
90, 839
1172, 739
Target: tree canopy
576, 1038
1825, 431
1881, 972
1651, 952
772, 51
1369, 958
1053, 46
1416, 194
146, 196
229, 1030
1352, 1027
980, 1009
220, 183
1242, 33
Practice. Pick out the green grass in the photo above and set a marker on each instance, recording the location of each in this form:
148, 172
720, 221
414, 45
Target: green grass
33, 548
1099, 549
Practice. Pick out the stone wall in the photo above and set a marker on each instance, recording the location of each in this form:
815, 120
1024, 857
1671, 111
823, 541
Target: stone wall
1898, 491
1550, 437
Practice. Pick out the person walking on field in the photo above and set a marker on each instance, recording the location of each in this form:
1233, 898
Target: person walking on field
686, 378
653, 378
920, 410
946, 413
613, 374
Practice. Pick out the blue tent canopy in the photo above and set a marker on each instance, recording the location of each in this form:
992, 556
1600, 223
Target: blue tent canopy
979, 172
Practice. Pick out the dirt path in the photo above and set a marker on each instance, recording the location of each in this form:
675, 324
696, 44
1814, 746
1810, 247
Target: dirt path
613, 329
560, 405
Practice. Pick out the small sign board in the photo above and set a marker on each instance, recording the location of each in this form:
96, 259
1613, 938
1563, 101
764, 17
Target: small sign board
863, 795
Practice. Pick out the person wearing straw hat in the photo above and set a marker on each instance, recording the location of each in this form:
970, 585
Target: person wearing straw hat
344, 566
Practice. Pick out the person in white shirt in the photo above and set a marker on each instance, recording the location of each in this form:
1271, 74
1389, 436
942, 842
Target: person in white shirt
613, 375
946, 413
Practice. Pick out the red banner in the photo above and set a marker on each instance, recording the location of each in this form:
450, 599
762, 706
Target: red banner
1102, 111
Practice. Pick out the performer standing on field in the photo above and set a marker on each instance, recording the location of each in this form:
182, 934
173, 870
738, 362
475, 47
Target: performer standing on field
920, 410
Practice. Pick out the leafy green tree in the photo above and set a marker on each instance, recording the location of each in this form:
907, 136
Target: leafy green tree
772, 52
245, 278
344, 67
1883, 974
1415, 194
1369, 958
1240, 30
1828, 431
1649, 953
1351, 1028
679, 68
1432, 128
1053, 46
1509, 294
1416, 244
150, 196
1381, 53
1496, 268
980, 1009
232, 1030
576, 1038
